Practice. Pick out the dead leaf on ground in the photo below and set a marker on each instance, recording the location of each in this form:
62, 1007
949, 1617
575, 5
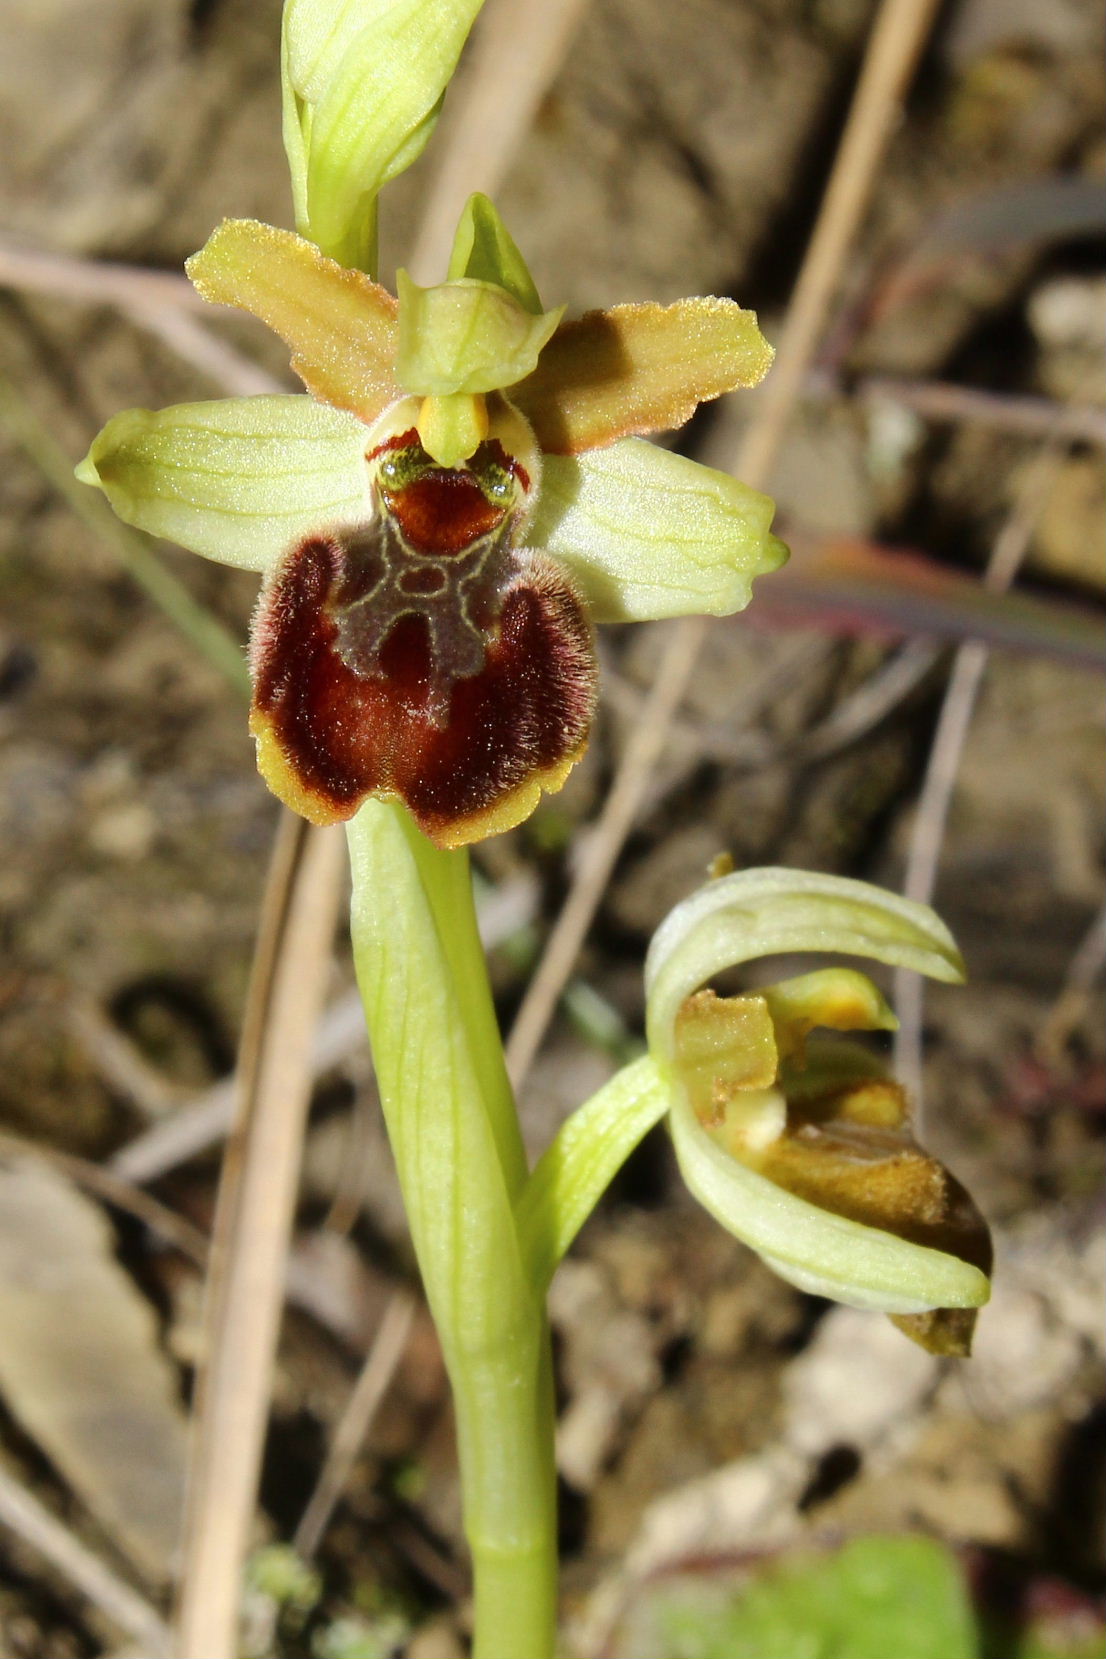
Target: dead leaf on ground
80, 1365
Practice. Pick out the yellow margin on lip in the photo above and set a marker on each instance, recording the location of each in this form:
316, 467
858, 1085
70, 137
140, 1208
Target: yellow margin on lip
511, 809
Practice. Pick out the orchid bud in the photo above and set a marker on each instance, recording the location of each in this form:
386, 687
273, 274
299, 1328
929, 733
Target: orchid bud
362, 85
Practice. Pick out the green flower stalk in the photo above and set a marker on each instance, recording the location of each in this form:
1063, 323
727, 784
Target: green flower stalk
454, 1132
462, 493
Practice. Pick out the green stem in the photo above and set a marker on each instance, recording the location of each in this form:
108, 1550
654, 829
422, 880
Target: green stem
583, 1159
454, 1131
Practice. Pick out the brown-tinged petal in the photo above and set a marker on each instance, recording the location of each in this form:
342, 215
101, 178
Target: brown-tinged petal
724, 1046
852, 1152
819, 1172
341, 327
341, 712
638, 369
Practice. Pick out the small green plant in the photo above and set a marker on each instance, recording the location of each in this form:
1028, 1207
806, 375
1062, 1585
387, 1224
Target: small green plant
463, 493
872, 1598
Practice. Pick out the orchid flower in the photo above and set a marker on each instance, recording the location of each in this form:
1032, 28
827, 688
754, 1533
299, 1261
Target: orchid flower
439, 524
799, 1145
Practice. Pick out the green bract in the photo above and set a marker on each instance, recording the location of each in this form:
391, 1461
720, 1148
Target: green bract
362, 84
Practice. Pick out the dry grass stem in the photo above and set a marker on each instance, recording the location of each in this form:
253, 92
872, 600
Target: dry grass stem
896, 42
301, 1286
931, 815
604, 844
165, 1223
898, 36
76, 1563
205, 1119
160, 302
197, 344
121, 1063
369, 1390
1030, 417
881, 693
517, 48
93, 281
253, 1223
1066, 1012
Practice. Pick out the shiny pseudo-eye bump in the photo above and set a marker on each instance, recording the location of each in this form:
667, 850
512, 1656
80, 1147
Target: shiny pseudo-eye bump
425, 654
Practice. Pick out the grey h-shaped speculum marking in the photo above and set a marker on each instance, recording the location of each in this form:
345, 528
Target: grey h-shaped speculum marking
458, 595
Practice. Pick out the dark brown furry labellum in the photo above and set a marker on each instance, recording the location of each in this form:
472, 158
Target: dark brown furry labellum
424, 655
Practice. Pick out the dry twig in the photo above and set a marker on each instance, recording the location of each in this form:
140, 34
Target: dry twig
253, 1222
161, 302
897, 39
1083, 969
121, 1063
76, 1563
165, 1223
368, 1391
1030, 417
517, 48
931, 815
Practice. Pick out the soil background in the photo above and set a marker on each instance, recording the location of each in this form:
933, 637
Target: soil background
708, 1410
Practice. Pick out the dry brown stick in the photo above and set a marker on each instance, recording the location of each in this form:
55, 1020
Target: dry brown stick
253, 1222
160, 302
172, 1228
694, 740
195, 343
368, 1391
604, 843
517, 48
897, 39
93, 281
76, 1563
205, 1118
301, 1285
1031, 417
885, 689
121, 1063
876, 697
931, 815
1083, 969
